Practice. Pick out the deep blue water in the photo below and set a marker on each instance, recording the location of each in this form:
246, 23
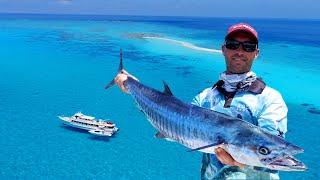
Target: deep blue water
57, 65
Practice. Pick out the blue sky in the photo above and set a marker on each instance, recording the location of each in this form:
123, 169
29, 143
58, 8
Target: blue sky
306, 9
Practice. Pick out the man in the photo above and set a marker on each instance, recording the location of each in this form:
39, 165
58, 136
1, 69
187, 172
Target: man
239, 93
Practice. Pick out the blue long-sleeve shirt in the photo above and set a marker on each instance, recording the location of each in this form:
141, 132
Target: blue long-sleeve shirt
267, 110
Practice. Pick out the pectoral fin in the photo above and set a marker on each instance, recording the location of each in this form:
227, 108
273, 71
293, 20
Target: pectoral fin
219, 140
203, 147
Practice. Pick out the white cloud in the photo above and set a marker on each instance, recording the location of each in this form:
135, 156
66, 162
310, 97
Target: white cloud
64, 1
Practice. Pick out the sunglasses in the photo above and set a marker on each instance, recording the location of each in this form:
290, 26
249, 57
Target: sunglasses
246, 46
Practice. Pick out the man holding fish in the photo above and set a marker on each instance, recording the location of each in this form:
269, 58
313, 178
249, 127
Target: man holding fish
241, 95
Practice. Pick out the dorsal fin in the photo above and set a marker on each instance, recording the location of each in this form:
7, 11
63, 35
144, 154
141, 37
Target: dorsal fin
166, 90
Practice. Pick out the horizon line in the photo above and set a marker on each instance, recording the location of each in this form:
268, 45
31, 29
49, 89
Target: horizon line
178, 16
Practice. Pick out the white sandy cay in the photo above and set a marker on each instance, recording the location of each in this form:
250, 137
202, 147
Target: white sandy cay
185, 44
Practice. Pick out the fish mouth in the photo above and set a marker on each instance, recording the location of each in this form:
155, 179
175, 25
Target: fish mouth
288, 163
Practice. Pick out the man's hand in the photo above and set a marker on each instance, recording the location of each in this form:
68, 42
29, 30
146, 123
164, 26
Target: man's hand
121, 77
226, 158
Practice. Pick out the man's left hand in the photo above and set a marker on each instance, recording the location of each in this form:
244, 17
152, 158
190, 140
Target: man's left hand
226, 158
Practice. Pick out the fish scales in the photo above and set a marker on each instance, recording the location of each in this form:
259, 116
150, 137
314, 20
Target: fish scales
153, 103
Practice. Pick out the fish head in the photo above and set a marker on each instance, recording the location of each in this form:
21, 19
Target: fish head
276, 153
266, 150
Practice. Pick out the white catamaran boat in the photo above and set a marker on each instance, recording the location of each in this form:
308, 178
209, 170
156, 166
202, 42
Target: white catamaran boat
94, 126
100, 132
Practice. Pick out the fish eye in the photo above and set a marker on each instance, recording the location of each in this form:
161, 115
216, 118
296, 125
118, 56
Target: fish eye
264, 151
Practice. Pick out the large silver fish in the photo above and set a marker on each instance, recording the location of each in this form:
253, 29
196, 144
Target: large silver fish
204, 130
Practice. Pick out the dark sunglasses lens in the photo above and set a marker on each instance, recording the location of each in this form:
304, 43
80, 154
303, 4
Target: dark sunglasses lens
249, 47
232, 44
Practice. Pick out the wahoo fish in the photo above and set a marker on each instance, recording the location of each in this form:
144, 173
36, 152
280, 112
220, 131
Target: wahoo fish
203, 130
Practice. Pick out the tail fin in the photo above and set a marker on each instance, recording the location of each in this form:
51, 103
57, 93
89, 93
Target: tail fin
111, 83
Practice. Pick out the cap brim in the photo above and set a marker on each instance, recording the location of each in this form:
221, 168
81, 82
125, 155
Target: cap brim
229, 35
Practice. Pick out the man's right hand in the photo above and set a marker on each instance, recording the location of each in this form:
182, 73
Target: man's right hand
121, 78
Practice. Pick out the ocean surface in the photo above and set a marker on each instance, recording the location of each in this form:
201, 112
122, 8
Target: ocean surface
54, 65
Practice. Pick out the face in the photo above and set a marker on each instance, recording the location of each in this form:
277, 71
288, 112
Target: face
239, 61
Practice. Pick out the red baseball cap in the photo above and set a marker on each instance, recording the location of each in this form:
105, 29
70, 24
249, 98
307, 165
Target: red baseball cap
242, 27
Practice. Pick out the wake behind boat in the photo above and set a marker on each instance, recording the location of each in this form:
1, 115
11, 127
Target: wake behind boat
94, 126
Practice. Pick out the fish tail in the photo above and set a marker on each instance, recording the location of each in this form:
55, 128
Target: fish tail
120, 69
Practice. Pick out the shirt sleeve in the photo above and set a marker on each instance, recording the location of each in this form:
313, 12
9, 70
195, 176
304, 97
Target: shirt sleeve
273, 115
196, 100
199, 99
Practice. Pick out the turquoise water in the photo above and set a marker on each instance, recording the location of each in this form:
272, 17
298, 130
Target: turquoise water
55, 65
